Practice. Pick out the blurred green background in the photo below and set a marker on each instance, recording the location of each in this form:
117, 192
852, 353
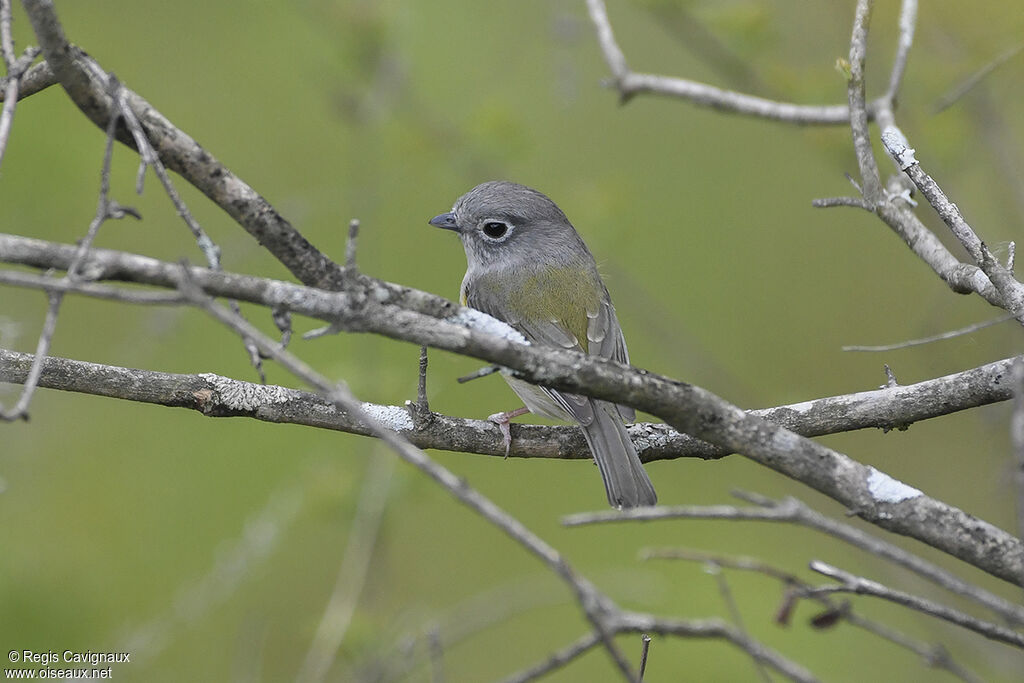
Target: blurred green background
209, 548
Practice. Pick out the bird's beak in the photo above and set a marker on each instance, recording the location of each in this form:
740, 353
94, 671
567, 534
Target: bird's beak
446, 221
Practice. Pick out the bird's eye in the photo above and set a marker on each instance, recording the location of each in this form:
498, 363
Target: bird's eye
495, 229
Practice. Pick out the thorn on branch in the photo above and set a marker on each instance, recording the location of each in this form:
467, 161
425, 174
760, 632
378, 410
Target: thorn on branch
645, 647
282, 318
890, 378
420, 410
350, 245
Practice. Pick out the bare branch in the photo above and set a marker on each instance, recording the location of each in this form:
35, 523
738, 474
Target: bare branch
103, 212
794, 511
6, 38
907, 22
951, 334
934, 655
645, 649
355, 565
350, 244
954, 94
557, 659
862, 586
630, 84
712, 628
871, 185
830, 202
1009, 288
734, 612
11, 85
18, 278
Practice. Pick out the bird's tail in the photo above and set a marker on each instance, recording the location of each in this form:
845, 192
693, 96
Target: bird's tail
625, 480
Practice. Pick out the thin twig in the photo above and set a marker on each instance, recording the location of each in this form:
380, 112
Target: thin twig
17, 278
934, 338
713, 628
350, 245
6, 37
16, 67
103, 213
352, 572
955, 93
149, 158
1011, 290
235, 560
436, 656
907, 22
645, 649
559, 659
934, 655
734, 612
829, 202
859, 585
869, 180
629, 84
421, 388
794, 511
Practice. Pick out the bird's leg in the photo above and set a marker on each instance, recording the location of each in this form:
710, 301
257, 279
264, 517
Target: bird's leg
502, 420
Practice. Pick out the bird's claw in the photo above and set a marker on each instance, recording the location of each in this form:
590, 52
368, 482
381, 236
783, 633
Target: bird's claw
503, 420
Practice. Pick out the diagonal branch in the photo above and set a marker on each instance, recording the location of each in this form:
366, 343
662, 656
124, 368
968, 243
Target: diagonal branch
179, 152
850, 583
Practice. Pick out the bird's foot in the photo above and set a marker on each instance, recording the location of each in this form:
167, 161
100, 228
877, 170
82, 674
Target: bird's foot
502, 420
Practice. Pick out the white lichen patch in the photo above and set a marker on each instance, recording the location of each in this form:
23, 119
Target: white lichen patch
236, 395
395, 418
477, 320
885, 489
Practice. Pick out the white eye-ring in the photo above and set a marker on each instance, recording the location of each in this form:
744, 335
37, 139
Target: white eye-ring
495, 230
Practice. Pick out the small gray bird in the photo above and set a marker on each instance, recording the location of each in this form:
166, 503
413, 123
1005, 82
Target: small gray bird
528, 267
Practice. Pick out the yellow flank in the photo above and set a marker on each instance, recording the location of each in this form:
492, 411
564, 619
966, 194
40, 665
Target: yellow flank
558, 294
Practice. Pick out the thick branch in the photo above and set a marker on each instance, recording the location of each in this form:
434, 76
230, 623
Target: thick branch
887, 408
